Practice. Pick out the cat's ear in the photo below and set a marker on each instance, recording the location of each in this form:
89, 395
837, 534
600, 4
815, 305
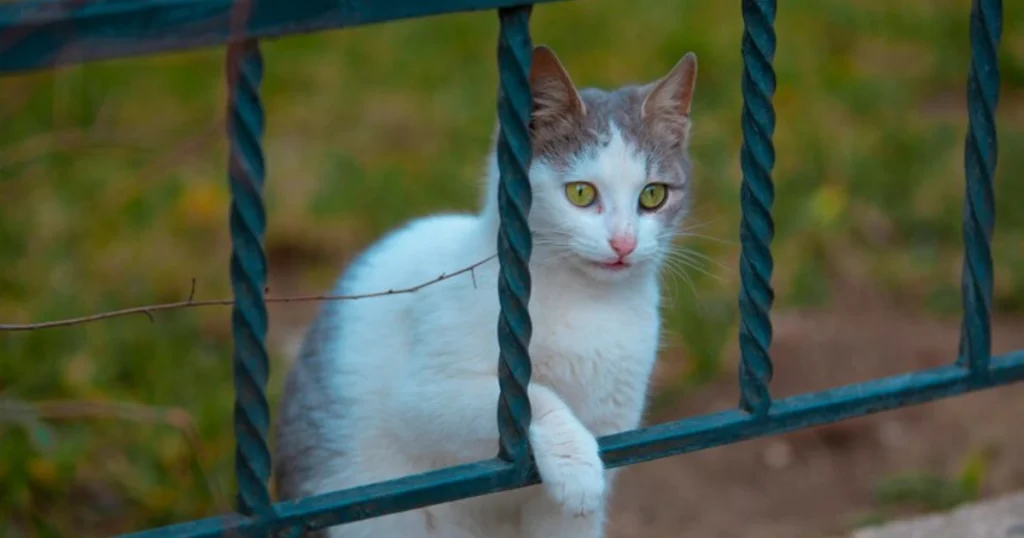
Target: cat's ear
666, 108
556, 102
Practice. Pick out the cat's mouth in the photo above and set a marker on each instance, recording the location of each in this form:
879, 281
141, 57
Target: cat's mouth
619, 265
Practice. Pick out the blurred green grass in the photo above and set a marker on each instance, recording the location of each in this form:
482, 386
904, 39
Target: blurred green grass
113, 190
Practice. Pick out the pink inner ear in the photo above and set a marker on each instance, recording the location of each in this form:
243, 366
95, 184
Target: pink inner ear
553, 90
674, 93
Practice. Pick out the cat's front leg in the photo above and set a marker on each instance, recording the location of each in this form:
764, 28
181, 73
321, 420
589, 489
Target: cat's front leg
463, 429
545, 518
567, 456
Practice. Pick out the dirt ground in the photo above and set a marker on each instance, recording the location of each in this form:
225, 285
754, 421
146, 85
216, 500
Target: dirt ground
815, 483
812, 483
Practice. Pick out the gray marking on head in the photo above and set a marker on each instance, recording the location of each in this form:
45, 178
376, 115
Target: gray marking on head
662, 142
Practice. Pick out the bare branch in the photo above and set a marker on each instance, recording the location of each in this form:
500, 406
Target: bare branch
66, 140
190, 302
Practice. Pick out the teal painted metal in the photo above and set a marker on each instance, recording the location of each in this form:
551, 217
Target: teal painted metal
980, 153
669, 439
757, 193
514, 241
35, 34
248, 222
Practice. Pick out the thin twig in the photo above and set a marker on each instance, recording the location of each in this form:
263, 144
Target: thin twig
191, 303
66, 140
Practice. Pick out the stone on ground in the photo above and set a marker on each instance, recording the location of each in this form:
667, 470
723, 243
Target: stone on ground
994, 518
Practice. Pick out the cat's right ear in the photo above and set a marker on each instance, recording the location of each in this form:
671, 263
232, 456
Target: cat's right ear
556, 102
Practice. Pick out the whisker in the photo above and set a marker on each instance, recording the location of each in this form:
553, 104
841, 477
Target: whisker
689, 227
680, 235
680, 272
690, 253
672, 235
691, 263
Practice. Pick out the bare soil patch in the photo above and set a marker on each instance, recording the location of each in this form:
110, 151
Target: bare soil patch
818, 482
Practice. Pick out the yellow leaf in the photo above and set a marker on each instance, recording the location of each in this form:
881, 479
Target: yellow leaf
43, 471
828, 203
161, 498
204, 203
79, 371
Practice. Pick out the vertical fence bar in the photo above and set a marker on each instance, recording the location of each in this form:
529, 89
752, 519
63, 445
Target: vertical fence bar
757, 193
980, 154
515, 196
248, 275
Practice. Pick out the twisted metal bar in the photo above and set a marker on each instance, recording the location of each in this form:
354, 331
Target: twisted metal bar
248, 276
514, 242
980, 153
757, 157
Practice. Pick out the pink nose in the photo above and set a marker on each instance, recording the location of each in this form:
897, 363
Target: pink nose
623, 244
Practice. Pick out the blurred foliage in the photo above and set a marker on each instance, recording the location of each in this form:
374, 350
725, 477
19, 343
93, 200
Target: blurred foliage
916, 492
113, 190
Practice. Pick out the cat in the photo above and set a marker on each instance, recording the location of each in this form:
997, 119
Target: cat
406, 383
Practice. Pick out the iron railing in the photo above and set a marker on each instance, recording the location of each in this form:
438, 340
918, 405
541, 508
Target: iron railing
39, 34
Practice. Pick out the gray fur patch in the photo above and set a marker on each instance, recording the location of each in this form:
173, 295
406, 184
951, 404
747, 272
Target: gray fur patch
303, 441
663, 142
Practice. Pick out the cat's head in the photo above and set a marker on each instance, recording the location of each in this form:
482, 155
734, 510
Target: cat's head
610, 170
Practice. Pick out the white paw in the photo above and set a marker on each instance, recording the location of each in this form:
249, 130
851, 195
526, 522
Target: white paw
569, 465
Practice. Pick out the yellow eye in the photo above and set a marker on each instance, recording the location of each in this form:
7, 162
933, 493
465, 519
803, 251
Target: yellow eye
653, 196
580, 193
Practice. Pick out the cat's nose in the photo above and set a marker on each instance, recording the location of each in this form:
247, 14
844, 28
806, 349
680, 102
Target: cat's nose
623, 244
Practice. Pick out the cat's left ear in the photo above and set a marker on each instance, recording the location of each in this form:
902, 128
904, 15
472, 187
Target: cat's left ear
667, 106
556, 102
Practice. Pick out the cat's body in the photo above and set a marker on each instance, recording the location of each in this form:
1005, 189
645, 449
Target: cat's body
407, 383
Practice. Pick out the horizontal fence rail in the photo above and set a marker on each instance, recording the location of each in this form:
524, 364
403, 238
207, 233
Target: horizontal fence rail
645, 444
38, 34
41, 34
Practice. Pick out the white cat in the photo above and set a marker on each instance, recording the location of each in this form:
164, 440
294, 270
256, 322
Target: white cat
407, 383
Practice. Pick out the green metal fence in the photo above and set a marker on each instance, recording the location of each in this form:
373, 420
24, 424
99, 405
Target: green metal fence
39, 34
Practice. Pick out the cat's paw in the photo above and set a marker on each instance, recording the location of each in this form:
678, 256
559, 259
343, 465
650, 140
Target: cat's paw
569, 464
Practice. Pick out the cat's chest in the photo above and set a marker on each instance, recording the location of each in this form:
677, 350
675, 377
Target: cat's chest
598, 360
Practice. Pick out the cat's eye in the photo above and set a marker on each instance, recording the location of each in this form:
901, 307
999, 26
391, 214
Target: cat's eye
580, 193
653, 196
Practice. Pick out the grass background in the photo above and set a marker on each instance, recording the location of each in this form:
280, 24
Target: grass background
113, 193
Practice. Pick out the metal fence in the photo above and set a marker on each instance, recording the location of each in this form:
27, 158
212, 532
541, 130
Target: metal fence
40, 34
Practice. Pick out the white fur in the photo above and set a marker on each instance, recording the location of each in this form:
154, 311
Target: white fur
421, 367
